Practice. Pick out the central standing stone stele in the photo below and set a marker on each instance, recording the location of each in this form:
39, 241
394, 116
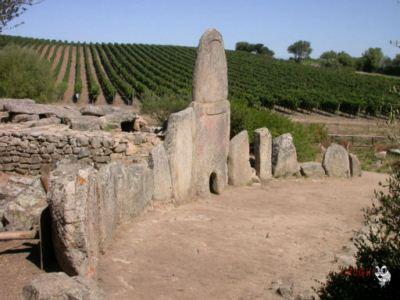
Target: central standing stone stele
198, 154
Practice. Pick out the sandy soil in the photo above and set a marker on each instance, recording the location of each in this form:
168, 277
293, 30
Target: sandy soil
84, 98
227, 247
43, 51
71, 80
60, 75
233, 246
57, 57
50, 52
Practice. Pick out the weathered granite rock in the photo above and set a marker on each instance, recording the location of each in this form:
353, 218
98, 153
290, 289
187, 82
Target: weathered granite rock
284, 156
212, 116
263, 153
55, 286
239, 169
87, 205
162, 173
22, 200
45, 122
40, 109
355, 165
210, 83
4, 101
179, 147
24, 118
84, 123
312, 169
98, 110
115, 119
336, 161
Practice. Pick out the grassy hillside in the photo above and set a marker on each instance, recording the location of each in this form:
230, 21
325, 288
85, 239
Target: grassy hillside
128, 71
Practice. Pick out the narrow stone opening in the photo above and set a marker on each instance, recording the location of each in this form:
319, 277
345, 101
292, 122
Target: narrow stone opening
127, 126
42, 116
47, 255
213, 183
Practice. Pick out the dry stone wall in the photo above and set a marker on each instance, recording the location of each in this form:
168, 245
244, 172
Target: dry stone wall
27, 151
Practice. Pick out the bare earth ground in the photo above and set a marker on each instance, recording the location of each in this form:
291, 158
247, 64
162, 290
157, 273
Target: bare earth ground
71, 80
63, 64
234, 245
57, 58
227, 247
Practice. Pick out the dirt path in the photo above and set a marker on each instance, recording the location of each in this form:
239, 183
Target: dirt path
19, 265
234, 245
50, 52
44, 49
100, 99
64, 64
84, 98
57, 57
69, 93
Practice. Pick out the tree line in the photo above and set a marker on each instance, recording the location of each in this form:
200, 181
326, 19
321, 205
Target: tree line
373, 60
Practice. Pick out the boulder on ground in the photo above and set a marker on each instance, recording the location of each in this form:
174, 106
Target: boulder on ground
84, 123
54, 286
22, 201
161, 172
17, 107
312, 169
284, 156
45, 122
239, 169
336, 161
355, 166
263, 153
115, 119
98, 110
24, 118
4, 101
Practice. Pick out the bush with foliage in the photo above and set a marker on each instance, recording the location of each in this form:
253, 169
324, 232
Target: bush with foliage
160, 107
23, 74
379, 247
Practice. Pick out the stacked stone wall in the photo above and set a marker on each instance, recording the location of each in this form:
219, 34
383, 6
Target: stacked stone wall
27, 152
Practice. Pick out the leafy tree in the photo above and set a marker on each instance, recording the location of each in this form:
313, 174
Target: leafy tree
23, 74
243, 46
254, 48
300, 50
330, 59
372, 60
345, 59
11, 9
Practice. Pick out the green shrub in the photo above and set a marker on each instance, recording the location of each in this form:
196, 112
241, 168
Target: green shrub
24, 75
160, 107
305, 137
378, 247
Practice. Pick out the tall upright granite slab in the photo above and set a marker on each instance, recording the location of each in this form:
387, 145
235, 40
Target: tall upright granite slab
263, 153
212, 115
198, 154
179, 147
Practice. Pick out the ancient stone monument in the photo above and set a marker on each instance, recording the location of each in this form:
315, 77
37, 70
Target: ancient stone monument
197, 140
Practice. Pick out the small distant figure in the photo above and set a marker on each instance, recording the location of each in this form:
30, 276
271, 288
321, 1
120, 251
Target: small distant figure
76, 97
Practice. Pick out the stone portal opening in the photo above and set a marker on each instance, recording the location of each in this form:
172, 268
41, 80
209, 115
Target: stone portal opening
213, 183
127, 126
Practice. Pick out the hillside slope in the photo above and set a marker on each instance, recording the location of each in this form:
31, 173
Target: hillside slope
129, 71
